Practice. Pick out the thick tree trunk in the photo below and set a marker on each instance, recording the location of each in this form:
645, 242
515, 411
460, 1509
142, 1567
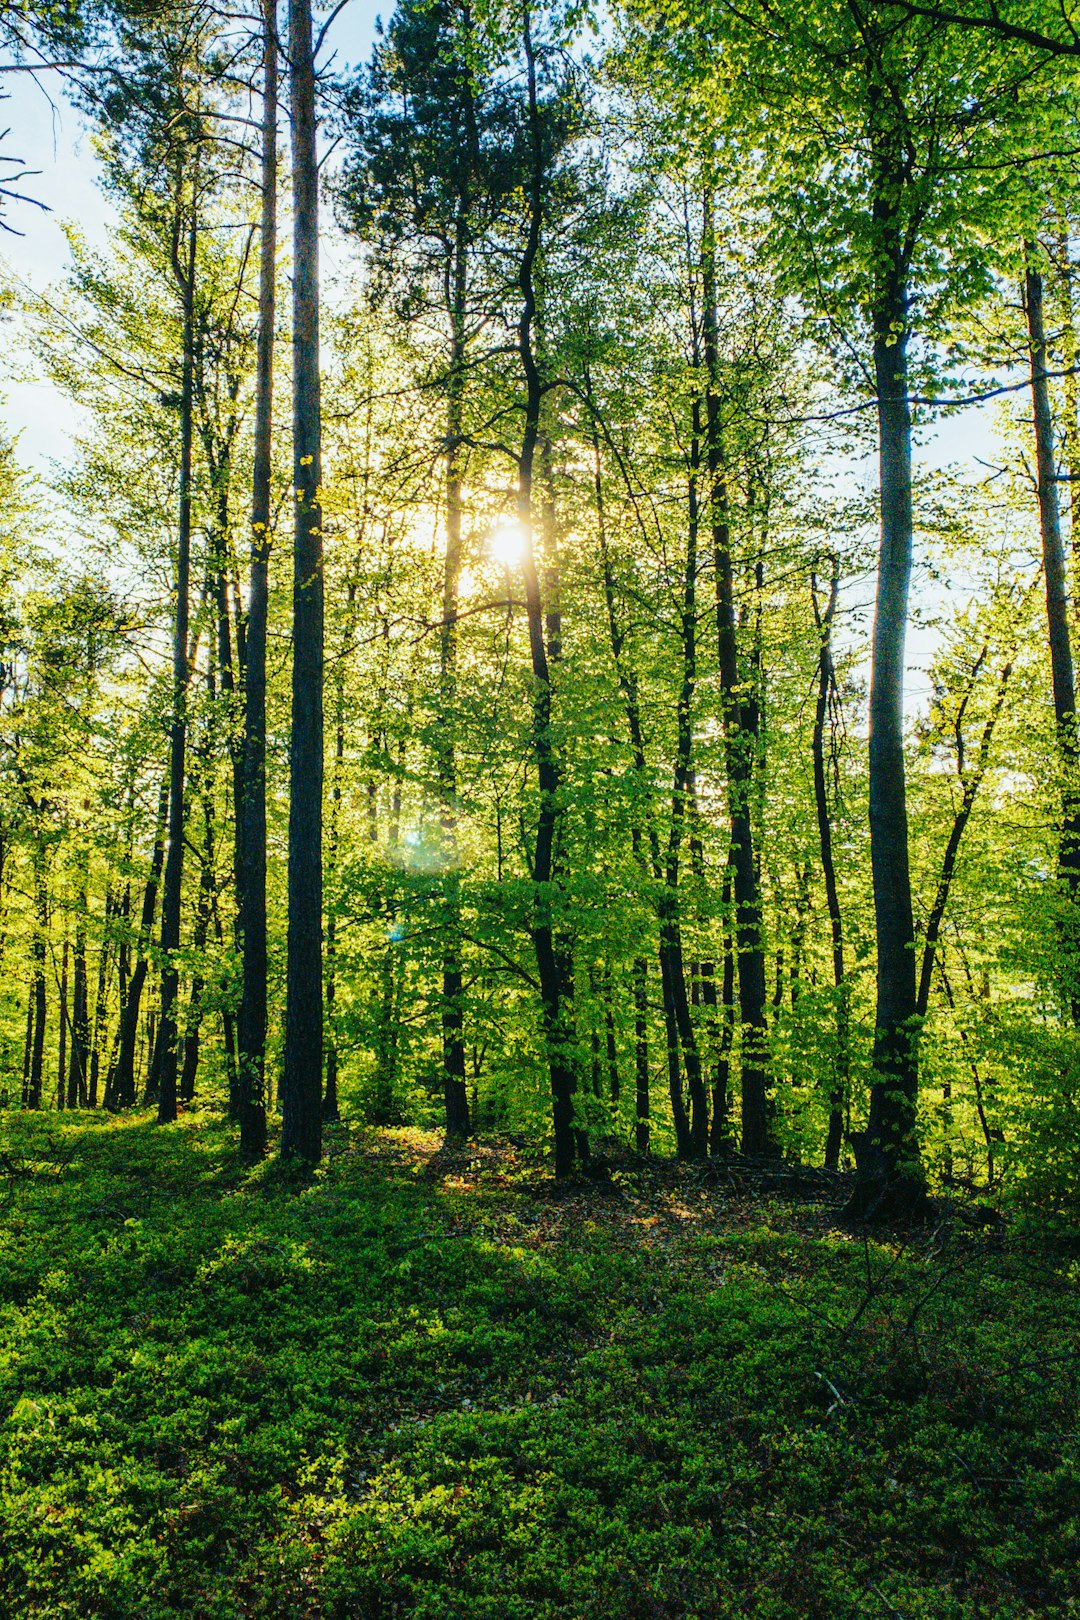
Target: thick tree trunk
252, 808
172, 892
301, 1128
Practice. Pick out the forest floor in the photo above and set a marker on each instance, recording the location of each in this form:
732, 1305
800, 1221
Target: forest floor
433, 1385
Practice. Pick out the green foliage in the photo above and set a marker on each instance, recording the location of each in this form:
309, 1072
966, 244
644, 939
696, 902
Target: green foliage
413, 1386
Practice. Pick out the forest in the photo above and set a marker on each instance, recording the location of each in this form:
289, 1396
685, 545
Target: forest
540, 811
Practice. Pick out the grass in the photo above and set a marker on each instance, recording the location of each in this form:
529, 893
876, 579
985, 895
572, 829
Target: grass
432, 1386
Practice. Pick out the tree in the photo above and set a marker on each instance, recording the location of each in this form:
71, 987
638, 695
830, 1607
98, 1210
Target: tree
301, 1130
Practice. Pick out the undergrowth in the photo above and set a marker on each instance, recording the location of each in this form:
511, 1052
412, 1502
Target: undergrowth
431, 1385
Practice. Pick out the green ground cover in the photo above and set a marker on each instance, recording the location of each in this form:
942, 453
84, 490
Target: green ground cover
430, 1386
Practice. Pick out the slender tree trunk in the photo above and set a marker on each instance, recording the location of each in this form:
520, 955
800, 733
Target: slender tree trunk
28, 1045
720, 1138
826, 684
890, 1176
172, 892
970, 782
62, 1032
301, 1129
551, 962
252, 1019
120, 1087
41, 930
97, 1032
629, 689
641, 1054
455, 1094
1057, 622
740, 728
189, 1067
611, 1048
80, 1015
330, 1096
696, 1142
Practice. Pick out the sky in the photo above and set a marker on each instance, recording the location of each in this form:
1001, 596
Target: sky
49, 135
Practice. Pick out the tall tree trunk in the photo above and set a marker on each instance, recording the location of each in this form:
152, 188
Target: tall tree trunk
62, 1032
172, 892
551, 960
826, 684
455, 1093
890, 1176
696, 1142
739, 719
1057, 623
252, 809
301, 1128
80, 1010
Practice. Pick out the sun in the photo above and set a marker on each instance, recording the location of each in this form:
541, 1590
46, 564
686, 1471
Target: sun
506, 544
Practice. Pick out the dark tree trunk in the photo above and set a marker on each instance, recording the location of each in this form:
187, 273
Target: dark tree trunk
252, 808
890, 1175
826, 685
455, 1094
740, 735
695, 1140
552, 966
62, 1032
172, 891
301, 1126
